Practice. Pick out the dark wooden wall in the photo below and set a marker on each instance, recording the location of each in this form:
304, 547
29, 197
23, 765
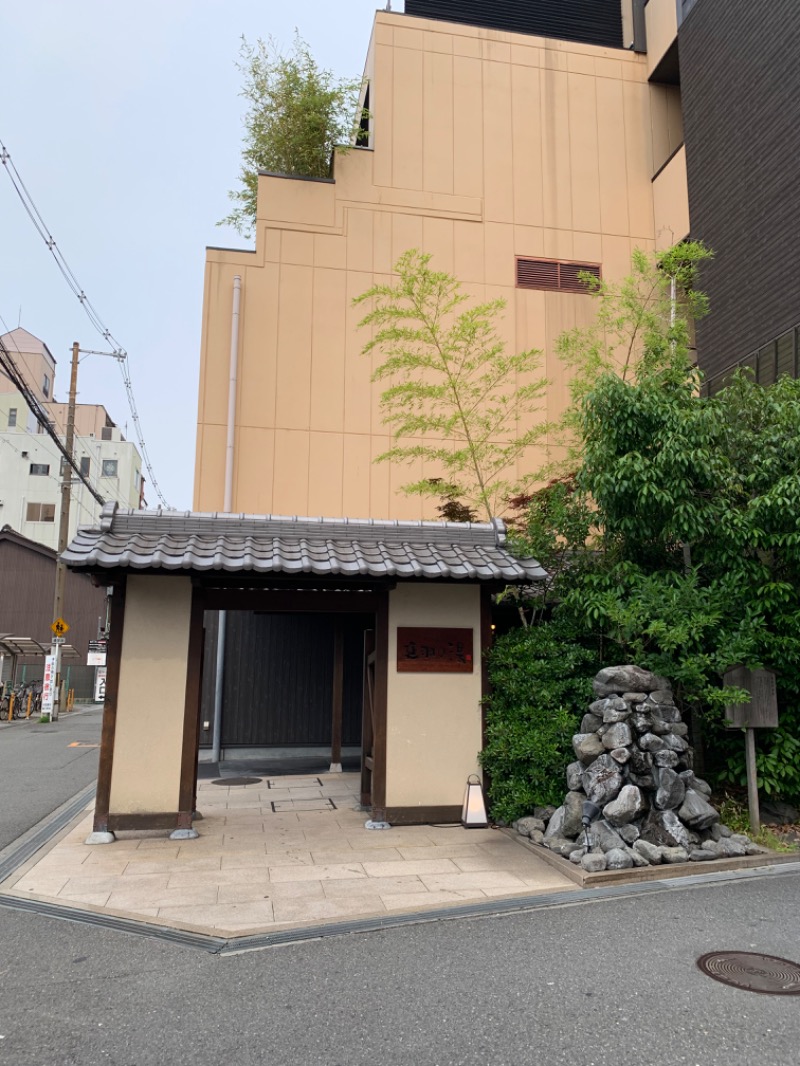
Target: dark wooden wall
279, 679
27, 585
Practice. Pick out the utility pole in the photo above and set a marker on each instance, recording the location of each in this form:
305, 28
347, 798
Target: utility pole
63, 527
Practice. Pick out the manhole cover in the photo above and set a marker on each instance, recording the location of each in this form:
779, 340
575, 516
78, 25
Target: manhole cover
229, 782
753, 972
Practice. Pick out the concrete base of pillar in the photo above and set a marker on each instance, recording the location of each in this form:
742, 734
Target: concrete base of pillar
376, 825
335, 768
184, 834
100, 838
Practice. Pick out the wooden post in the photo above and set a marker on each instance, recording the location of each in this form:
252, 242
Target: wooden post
338, 697
752, 781
103, 799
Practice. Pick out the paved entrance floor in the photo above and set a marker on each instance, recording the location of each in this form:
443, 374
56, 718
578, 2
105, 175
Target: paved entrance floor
281, 853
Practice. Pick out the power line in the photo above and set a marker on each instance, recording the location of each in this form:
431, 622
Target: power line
41, 228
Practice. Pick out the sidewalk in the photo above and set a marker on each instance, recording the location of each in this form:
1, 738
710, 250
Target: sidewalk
281, 853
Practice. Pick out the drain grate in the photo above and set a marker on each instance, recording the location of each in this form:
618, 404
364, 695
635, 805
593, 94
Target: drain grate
229, 782
753, 972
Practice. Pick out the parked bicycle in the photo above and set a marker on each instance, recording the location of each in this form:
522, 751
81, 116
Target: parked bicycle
24, 701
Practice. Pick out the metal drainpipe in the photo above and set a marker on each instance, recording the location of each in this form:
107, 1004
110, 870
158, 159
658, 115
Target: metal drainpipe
227, 506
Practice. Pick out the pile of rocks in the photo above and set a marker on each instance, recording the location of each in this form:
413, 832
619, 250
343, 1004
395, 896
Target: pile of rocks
633, 782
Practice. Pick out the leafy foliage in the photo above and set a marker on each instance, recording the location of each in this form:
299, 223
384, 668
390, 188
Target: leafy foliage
691, 505
541, 682
455, 398
297, 114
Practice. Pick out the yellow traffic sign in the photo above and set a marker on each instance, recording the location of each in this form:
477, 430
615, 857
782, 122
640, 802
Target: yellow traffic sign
60, 627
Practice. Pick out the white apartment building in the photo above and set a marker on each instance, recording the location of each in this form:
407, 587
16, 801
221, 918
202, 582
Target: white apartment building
31, 464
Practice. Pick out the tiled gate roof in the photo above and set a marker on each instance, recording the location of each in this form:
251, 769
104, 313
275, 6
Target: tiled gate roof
265, 544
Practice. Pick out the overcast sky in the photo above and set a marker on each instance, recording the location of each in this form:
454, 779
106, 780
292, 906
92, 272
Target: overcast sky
124, 121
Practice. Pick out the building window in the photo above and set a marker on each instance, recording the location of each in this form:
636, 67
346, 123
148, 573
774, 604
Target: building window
46, 385
41, 512
553, 275
40, 469
85, 465
12, 417
110, 468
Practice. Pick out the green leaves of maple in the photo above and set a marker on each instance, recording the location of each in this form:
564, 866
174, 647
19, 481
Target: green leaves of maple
457, 400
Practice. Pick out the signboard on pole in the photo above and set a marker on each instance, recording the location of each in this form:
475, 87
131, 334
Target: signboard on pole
97, 653
60, 627
100, 685
49, 685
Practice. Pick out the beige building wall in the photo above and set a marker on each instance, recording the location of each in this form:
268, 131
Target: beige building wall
661, 23
486, 145
148, 741
671, 202
433, 720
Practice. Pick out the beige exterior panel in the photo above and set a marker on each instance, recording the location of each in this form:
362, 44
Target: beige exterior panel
671, 202
433, 720
148, 741
661, 22
486, 146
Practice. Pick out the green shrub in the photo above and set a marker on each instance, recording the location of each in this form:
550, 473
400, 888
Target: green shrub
541, 683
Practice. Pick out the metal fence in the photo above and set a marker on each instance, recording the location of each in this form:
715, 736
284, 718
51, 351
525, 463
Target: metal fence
777, 359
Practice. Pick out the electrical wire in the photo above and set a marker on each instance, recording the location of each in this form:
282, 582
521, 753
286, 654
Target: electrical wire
39, 224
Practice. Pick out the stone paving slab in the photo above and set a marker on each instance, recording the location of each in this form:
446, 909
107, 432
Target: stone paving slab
255, 870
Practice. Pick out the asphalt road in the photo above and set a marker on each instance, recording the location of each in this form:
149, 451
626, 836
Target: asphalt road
39, 770
589, 984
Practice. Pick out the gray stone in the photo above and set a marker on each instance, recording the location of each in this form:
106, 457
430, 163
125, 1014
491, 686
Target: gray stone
616, 714
642, 723
666, 758
634, 697
753, 849
574, 771
603, 837
701, 855
641, 761
636, 858
602, 780
671, 790
675, 743
659, 726
625, 808
576, 855
662, 695
587, 746
620, 755
617, 736
618, 859
629, 833
650, 742
646, 782
536, 836
525, 825
648, 851
573, 809
680, 729
664, 827
607, 703
627, 679
732, 849
665, 712
594, 862
696, 812
555, 826
590, 723
676, 854
545, 813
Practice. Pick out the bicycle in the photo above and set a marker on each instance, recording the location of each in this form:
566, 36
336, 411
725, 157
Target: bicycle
21, 702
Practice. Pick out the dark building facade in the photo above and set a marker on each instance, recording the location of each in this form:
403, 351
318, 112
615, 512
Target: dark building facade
740, 89
590, 21
27, 584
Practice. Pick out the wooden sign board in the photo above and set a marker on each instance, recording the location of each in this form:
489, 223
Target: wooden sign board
427, 650
762, 711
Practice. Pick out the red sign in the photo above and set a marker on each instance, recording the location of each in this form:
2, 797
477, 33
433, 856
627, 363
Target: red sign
429, 650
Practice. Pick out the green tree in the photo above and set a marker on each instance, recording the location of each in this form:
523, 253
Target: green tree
297, 114
693, 563
455, 398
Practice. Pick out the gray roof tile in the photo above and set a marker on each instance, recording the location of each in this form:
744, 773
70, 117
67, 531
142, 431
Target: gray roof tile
272, 544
